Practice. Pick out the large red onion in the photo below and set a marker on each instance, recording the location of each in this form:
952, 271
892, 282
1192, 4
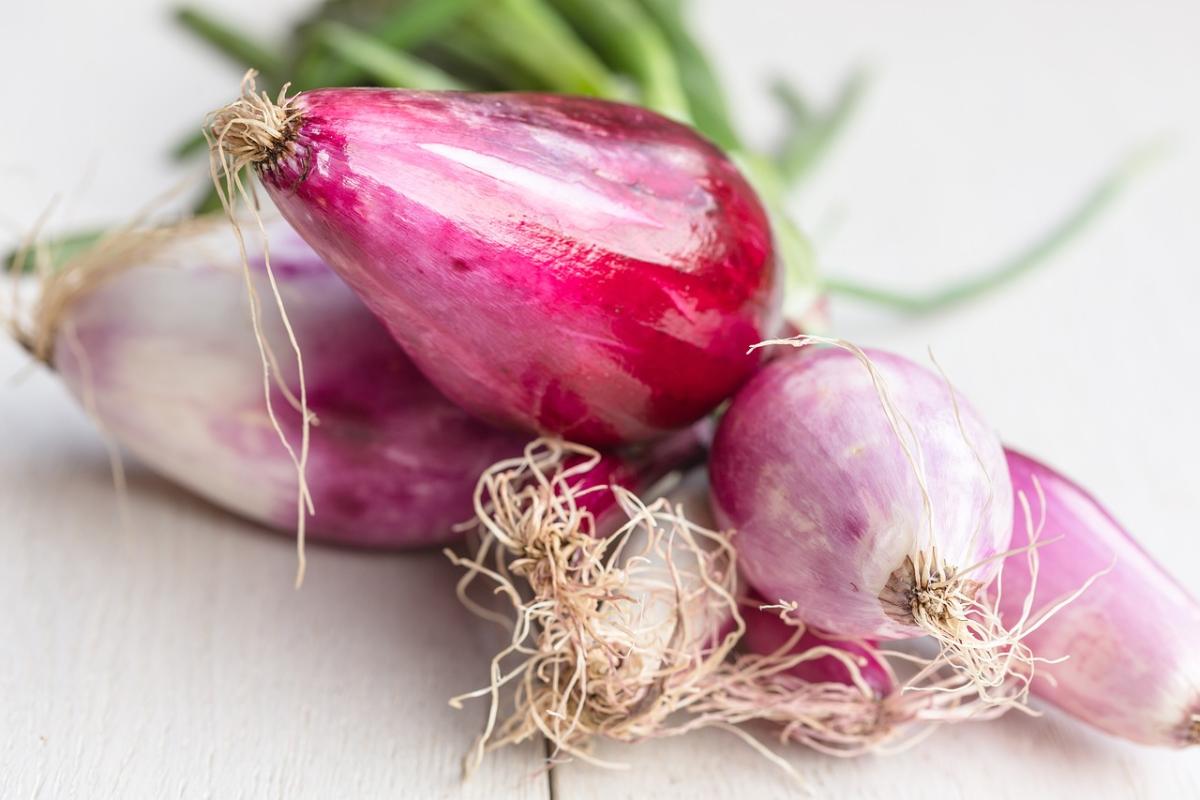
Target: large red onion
565, 265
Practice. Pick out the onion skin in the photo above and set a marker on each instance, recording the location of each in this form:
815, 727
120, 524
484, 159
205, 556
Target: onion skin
171, 369
807, 469
563, 265
637, 468
1133, 636
766, 633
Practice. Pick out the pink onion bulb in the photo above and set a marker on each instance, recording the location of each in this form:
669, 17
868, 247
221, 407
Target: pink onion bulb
152, 334
1132, 636
864, 492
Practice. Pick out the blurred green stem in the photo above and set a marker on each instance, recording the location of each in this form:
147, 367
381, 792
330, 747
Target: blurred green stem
384, 64
193, 144
246, 52
58, 252
628, 39
407, 27
705, 97
792, 248
532, 35
1041, 250
473, 50
418, 21
812, 135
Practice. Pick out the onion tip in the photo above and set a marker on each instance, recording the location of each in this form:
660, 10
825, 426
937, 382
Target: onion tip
253, 130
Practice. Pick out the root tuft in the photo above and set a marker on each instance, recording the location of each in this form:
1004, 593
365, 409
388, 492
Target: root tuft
254, 130
610, 631
614, 634
935, 597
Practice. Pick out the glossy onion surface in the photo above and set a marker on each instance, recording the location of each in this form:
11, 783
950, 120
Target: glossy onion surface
562, 265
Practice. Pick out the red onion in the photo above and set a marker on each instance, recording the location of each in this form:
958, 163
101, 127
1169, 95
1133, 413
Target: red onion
151, 332
864, 492
564, 265
766, 632
1132, 636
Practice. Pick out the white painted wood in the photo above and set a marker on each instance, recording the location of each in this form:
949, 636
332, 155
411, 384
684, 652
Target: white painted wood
173, 658
1009, 759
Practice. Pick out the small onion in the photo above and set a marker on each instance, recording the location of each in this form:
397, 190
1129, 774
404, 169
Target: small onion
1132, 636
864, 492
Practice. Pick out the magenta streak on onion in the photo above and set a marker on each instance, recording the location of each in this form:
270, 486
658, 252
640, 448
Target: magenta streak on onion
565, 265
163, 354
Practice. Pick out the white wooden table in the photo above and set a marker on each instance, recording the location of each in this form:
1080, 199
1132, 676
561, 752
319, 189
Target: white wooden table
173, 659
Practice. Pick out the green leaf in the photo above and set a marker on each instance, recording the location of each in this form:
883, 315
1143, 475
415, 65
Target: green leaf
210, 202
59, 251
811, 135
797, 108
706, 98
532, 35
243, 50
384, 64
419, 21
625, 36
472, 55
405, 27
190, 146
801, 277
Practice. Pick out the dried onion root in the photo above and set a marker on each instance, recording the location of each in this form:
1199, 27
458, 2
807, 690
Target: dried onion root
624, 633
611, 630
843, 716
241, 135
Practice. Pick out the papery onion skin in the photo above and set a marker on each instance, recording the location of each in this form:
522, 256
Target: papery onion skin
766, 633
1133, 636
164, 355
563, 265
807, 469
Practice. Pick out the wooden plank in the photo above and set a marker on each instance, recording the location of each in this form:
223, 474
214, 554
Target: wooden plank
173, 658
1014, 758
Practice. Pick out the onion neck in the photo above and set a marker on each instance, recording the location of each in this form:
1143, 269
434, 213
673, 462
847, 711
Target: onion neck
253, 130
927, 594
1191, 730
